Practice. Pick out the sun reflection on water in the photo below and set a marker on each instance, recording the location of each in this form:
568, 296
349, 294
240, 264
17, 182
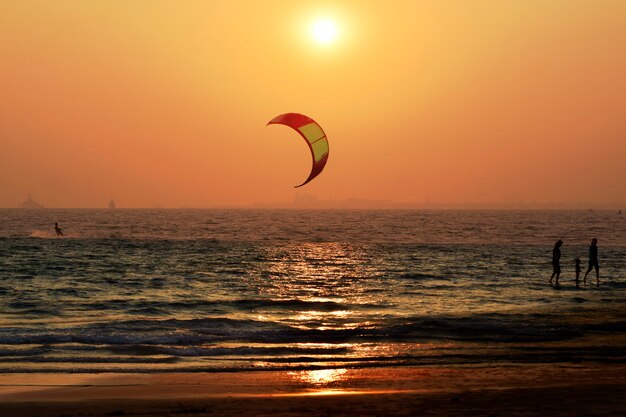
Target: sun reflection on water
320, 377
317, 272
318, 284
319, 287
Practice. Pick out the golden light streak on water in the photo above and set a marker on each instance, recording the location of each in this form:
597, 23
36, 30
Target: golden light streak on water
320, 376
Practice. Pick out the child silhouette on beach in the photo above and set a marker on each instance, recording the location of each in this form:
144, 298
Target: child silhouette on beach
577, 260
58, 229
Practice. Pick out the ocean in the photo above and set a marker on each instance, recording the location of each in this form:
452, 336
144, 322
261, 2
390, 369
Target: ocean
237, 289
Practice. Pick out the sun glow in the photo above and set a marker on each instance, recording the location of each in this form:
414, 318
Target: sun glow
324, 31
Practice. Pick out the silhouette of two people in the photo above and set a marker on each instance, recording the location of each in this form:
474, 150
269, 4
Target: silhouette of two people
593, 263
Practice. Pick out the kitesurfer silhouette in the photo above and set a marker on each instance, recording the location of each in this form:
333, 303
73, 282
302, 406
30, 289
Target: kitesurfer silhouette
593, 262
58, 229
556, 265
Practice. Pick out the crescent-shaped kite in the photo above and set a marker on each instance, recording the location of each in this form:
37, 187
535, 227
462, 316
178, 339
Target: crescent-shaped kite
314, 136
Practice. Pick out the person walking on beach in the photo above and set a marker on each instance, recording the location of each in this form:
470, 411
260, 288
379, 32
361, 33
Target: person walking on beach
556, 262
58, 229
593, 262
577, 260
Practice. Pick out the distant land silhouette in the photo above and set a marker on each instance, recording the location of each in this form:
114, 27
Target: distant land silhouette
311, 201
29, 203
307, 200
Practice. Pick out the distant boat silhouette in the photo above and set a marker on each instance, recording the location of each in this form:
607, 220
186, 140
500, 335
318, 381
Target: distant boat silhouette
29, 203
112, 204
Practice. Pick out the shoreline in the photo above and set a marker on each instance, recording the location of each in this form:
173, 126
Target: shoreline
558, 389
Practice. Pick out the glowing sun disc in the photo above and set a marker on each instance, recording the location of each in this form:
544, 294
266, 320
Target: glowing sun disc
324, 31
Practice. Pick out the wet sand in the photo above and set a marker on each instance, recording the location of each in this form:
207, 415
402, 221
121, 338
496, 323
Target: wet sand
561, 390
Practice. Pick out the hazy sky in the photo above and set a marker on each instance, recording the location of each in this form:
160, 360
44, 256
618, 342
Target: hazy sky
166, 102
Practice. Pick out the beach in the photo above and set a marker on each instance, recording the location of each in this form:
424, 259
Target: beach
558, 389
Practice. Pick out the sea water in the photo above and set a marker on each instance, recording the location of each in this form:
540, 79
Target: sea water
214, 290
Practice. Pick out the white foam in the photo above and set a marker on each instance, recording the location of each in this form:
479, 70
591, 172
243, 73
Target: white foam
42, 234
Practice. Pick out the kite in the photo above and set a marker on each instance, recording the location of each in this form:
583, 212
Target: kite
312, 134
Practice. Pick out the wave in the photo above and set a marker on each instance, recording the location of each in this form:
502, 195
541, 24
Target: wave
93, 359
244, 304
420, 276
301, 305
503, 328
172, 350
147, 364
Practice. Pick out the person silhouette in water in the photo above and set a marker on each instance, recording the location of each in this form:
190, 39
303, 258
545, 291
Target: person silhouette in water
556, 262
58, 229
577, 260
593, 262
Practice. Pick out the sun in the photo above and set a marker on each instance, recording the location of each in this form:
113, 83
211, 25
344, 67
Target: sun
324, 31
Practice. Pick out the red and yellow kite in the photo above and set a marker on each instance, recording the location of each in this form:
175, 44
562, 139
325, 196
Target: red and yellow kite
312, 134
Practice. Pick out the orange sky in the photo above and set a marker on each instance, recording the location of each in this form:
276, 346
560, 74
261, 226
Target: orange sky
165, 102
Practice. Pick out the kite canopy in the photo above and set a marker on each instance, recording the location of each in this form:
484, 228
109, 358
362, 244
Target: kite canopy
312, 134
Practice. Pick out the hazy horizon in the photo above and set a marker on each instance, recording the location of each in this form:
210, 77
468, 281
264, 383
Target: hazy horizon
311, 202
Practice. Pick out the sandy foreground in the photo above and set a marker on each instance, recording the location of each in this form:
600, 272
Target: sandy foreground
562, 390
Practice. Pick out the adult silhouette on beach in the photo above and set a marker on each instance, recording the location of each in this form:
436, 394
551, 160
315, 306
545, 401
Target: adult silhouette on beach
593, 262
556, 262
58, 230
